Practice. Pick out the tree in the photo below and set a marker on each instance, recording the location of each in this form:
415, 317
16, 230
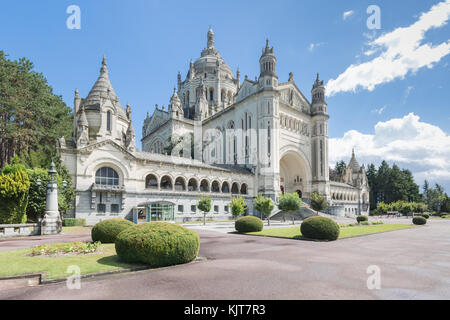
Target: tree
338, 171
14, 186
371, 179
290, 202
238, 206
264, 205
318, 202
204, 205
32, 118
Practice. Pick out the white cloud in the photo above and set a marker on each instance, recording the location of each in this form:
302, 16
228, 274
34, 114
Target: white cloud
379, 110
410, 143
312, 46
402, 52
347, 14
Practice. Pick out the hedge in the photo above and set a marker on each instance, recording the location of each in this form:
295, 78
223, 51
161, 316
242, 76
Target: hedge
319, 228
157, 244
362, 218
106, 231
14, 186
425, 215
419, 220
248, 224
73, 222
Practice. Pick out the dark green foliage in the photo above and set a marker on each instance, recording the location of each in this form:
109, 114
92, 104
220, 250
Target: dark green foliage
362, 218
419, 220
248, 224
319, 228
106, 231
32, 118
318, 202
157, 244
290, 202
338, 171
73, 222
425, 215
391, 184
14, 186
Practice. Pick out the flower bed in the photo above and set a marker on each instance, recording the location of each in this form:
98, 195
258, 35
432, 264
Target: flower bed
70, 248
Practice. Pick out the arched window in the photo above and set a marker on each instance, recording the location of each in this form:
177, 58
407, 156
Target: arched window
204, 186
235, 188
215, 186
225, 187
180, 184
192, 185
166, 183
107, 176
211, 94
151, 182
108, 121
244, 188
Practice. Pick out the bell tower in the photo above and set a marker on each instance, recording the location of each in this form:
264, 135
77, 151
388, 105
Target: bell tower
267, 63
319, 139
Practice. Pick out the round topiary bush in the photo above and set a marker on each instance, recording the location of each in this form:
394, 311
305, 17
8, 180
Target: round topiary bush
362, 218
319, 228
157, 244
106, 231
248, 224
425, 215
419, 220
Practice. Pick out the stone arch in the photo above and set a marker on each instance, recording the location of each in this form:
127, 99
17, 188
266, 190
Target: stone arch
225, 187
151, 181
204, 185
295, 171
235, 188
244, 188
180, 184
192, 185
215, 186
166, 182
121, 170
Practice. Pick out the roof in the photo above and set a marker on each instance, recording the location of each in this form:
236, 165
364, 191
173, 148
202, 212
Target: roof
353, 164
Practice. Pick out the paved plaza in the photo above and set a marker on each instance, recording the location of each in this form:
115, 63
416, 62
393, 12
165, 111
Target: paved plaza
414, 264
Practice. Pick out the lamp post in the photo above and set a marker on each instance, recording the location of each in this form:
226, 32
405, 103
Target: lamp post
51, 223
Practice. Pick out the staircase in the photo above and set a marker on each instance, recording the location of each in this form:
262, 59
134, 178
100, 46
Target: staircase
304, 212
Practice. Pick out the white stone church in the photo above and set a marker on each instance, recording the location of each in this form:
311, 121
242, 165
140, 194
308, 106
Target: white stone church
218, 136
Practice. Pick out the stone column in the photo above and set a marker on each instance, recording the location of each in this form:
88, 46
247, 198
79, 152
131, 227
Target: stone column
51, 223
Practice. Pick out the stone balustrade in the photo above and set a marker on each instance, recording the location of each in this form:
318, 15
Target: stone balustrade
26, 229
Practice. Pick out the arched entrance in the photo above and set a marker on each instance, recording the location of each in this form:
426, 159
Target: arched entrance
294, 174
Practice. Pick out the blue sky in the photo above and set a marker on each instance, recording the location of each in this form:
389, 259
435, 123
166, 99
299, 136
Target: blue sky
387, 106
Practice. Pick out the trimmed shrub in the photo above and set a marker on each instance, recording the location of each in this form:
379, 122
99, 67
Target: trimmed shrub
364, 223
425, 215
157, 244
14, 186
419, 220
319, 228
73, 222
106, 231
362, 218
248, 224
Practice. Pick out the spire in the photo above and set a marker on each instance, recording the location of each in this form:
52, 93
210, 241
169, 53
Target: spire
102, 87
210, 37
353, 164
82, 120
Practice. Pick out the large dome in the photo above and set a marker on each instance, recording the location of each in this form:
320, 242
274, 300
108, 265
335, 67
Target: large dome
210, 58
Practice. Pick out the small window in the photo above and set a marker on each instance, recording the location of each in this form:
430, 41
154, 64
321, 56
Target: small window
180, 208
101, 207
108, 121
194, 208
216, 209
226, 209
114, 208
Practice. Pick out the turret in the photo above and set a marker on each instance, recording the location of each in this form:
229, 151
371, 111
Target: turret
319, 104
268, 77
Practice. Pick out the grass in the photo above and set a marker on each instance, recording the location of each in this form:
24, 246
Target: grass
16, 262
346, 232
76, 229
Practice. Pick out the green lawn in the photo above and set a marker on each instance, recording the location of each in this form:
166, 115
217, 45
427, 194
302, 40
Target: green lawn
346, 232
15, 262
77, 229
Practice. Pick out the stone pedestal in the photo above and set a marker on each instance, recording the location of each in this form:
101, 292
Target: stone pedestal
51, 223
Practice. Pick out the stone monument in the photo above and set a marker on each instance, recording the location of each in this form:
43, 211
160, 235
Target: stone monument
51, 223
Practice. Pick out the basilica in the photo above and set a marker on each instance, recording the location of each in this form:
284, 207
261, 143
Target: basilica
219, 135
